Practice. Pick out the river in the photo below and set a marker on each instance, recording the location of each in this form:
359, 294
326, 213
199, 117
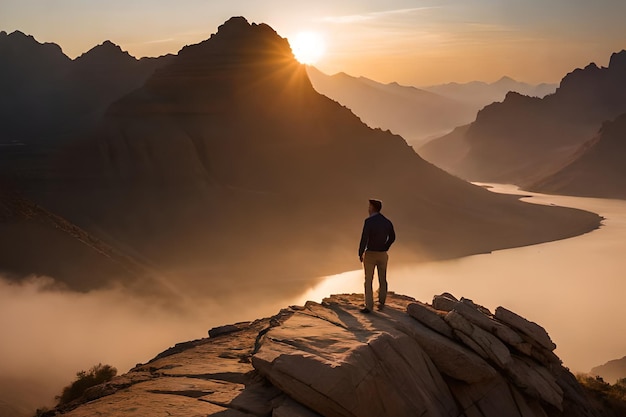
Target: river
575, 288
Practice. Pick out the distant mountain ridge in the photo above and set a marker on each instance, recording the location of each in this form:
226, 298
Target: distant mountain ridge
47, 94
612, 370
523, 139
417, 114
480, 93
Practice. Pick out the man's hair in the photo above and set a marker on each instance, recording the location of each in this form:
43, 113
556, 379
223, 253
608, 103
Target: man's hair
377, 204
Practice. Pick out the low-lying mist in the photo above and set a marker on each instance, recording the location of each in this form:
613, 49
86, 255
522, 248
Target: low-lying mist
49, 333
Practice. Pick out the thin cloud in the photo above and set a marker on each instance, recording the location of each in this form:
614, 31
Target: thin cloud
348, 19
158, 41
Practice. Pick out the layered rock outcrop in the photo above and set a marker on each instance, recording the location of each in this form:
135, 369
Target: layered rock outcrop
451, 358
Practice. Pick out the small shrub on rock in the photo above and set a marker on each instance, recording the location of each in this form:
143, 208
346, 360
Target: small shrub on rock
98, 374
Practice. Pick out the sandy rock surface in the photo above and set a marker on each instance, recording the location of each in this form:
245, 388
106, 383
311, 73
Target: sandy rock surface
328, 359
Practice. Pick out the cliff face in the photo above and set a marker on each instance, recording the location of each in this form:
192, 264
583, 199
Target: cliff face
451, 358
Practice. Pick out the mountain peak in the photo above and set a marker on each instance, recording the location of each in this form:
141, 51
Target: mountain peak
106, 52
21, 40
18, 46
618, 60
238, 43
239, 51
505, 79
242, 38
19, 34
234, 25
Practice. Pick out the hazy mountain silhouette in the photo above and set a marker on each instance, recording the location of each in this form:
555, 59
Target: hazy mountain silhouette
227, 163
478, 94
417, 115
597, 169
612, 370
523, 139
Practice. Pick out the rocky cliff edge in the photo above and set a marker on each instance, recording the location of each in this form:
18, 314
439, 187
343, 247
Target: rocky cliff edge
449, 358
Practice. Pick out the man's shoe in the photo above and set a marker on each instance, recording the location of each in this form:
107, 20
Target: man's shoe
381, 306
365, 310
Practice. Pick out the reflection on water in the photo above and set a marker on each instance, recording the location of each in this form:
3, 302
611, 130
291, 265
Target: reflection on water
574, 288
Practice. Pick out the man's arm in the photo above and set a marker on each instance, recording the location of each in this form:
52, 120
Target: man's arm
391, 236
364, 238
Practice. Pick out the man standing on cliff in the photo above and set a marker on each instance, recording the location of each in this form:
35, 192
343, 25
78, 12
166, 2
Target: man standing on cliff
376, 239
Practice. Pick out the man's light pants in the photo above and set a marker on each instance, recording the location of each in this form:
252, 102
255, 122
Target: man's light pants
378, 260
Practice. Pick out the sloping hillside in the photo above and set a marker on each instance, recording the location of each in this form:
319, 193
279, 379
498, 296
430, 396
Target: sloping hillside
37, 242
596, 170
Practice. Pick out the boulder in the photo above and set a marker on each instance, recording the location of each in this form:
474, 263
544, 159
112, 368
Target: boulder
479, 316
226, 329
444, 302
430, 318
529, 328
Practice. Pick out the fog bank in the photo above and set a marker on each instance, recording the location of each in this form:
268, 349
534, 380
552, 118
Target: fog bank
49, 333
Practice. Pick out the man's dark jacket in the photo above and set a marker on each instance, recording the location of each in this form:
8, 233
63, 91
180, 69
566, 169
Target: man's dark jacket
378, 234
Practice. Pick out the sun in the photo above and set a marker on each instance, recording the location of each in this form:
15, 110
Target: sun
308, 47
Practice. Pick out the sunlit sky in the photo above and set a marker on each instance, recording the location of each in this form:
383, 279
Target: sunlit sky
412, 42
